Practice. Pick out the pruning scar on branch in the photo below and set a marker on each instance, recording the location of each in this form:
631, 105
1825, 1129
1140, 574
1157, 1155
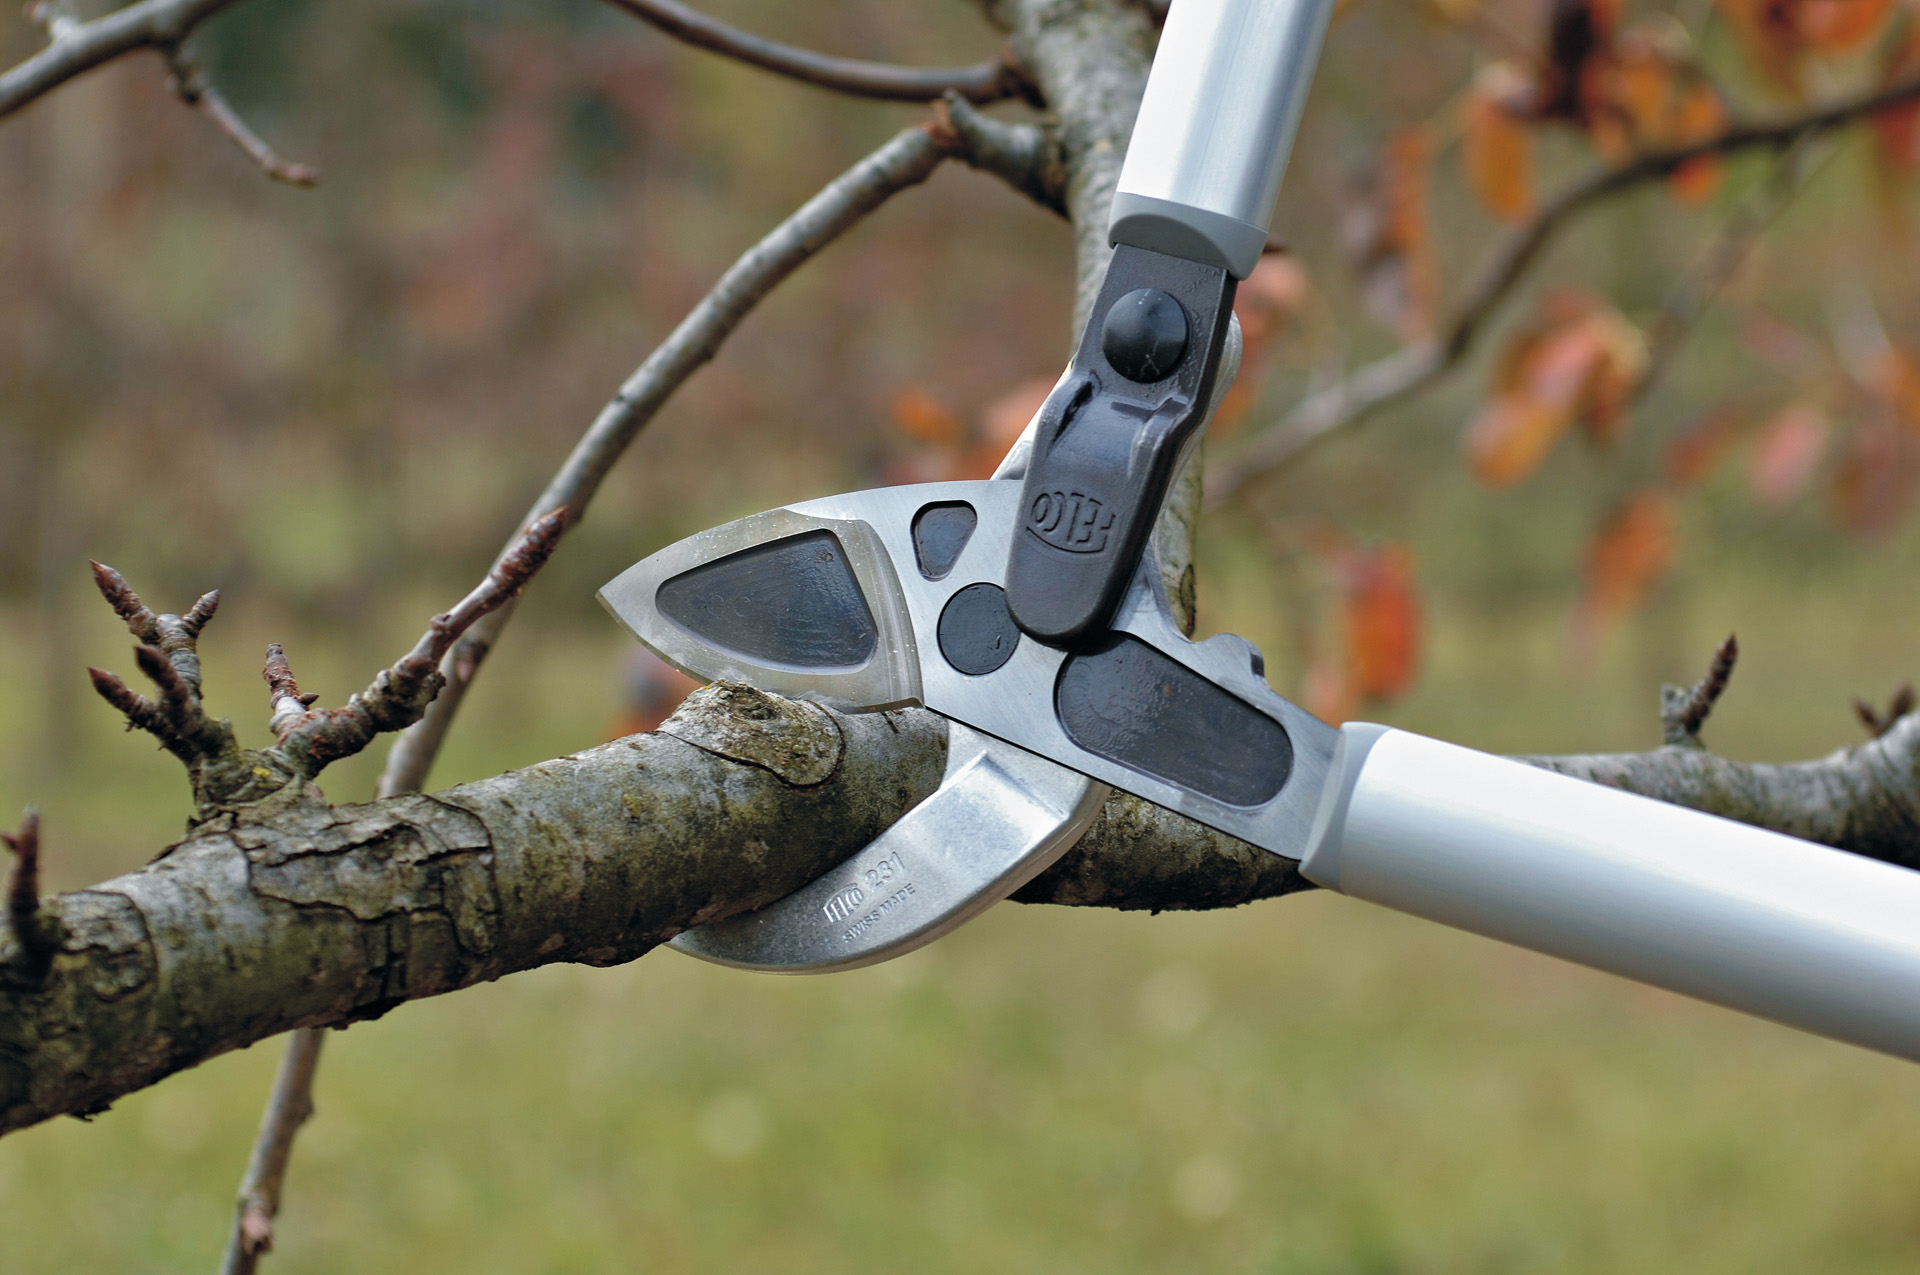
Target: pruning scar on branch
1418, 365
993, 80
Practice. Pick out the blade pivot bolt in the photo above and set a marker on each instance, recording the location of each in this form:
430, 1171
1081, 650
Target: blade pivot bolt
1145, 335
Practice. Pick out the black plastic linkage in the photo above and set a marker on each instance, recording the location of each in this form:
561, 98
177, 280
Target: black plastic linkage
1108, 439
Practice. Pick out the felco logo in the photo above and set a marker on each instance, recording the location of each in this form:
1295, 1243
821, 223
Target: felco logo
1071, 521
841, 905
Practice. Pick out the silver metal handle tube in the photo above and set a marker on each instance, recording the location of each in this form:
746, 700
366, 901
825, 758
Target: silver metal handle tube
1216, 125
1795, 932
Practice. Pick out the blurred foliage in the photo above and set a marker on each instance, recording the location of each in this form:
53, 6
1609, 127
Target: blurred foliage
334, 404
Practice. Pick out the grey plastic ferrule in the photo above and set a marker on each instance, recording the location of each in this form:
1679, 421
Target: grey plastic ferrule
1180, 230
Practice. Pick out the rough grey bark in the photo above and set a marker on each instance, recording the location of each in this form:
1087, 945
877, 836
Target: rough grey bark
291, 913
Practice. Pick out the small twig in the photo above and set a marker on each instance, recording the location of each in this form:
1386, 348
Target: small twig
288, 702
192, 87
904, 161
1027, 157
312, 739
126, 604
78, 48
288, 1108
30, 929
1899, 706
990, 81
1412, 368
168, 654
1684, 711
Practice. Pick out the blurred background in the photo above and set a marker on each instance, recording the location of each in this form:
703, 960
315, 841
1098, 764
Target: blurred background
334, 404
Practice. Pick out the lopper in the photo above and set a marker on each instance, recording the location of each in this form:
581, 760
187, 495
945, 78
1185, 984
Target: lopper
1028, 610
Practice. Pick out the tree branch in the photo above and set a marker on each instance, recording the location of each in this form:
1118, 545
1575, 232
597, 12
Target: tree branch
989, 81
289, 1107
150, 24
293, 914
192, 87
1416, 366
904, 161
1027, 157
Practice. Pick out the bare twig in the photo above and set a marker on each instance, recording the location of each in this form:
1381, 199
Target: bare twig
191, 86
287, 1109
990, 81
1414, 367
1683, 710
904, 161
168, 654
1898, 706
150, 24
314, 738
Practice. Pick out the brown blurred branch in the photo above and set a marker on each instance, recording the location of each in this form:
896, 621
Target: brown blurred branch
1414, 367
989, 81
289, 1107
192, 87
904, 161
1898, 706
79, 47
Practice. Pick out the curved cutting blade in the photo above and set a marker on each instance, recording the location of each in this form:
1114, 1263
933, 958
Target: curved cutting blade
998, 819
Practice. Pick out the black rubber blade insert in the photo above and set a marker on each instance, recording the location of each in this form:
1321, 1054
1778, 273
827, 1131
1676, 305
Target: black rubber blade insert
793, 603
1105, 446
1122, 700
940, 532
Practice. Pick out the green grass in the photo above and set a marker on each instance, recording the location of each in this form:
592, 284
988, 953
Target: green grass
1306, 1085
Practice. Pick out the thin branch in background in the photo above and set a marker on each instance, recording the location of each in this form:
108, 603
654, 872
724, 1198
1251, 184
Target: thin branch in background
289, 1107
1898, 706
191, 86
78, 47
1723, 257
312, 739
990, 81
904, 161
1684, 710
1416, 366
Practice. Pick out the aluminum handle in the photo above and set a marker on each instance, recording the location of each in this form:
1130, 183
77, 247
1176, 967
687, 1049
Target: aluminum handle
1216, 125
1795, 932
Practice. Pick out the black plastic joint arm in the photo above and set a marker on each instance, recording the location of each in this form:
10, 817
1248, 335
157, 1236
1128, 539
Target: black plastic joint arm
1108, 439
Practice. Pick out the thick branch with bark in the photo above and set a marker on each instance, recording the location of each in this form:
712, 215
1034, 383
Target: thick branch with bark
296, 914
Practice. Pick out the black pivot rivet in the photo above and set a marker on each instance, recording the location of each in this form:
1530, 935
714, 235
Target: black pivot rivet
977, 634
1145, 335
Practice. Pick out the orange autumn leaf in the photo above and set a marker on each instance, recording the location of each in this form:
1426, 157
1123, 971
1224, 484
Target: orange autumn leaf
1786, 452
1381, 622
1692, 456
1496, 147
1897, 131
1579, 363
1385, 229
1629, 554
1878, 476
1770, 32
1840, 26
1699, 115
918, 414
